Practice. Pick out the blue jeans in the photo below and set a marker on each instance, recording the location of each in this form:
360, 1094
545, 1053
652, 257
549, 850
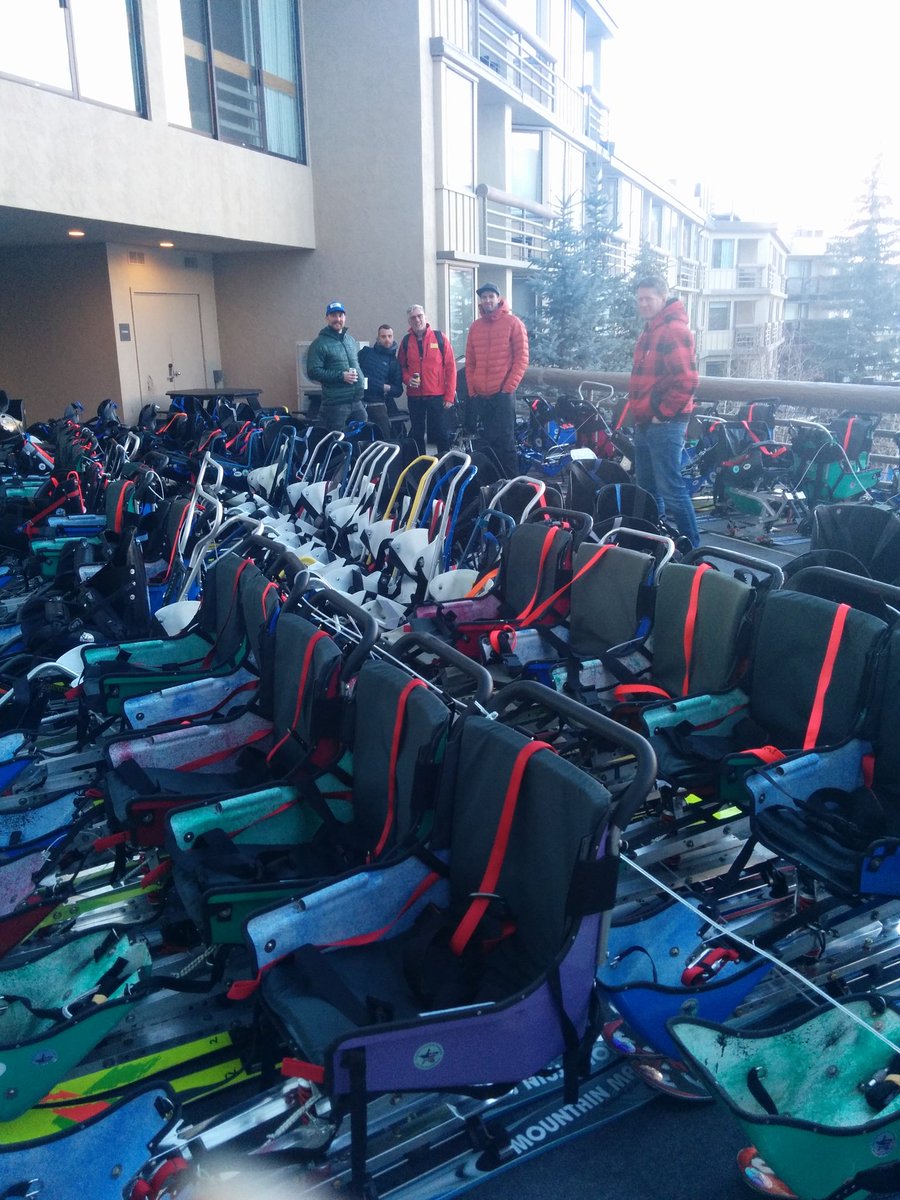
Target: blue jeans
657, 469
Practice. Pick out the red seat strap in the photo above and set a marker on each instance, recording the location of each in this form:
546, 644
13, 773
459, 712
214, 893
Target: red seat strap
542, 608
396, 740
482, 898
831, 653
690, 623
210, 657
545, 550
624, 692
304, 673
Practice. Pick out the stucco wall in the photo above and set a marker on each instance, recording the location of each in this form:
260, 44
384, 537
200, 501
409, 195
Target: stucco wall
62, 155
56, 329
371, 137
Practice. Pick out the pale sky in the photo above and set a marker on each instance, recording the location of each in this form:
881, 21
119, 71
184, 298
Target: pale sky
780, 106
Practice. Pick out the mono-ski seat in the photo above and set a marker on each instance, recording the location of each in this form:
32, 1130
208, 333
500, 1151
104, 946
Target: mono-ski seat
473, 967
215, 644
245, 852
836, 811
808, 684
292, 725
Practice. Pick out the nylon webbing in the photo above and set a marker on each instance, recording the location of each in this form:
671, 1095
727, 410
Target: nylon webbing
301, 688
482, 898
391, 806
542, 608
831, 653
690, 623
545, 550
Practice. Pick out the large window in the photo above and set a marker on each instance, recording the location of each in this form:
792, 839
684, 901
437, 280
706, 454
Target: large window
719, 315
526, 173
461, 290
459, 132
723, 253
233, 71
87, 48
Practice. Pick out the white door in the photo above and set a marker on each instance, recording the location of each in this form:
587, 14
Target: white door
169, 343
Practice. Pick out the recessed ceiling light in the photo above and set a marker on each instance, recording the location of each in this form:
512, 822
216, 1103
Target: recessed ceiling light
167, 245
76, 233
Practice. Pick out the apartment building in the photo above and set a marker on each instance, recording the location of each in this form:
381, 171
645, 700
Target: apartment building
659, 220
186, 183
741, 326
810, 278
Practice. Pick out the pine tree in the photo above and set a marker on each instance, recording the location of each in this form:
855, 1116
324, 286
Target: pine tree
860, 341
582, 316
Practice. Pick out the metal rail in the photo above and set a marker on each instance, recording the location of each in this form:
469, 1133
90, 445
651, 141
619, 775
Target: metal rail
864, 397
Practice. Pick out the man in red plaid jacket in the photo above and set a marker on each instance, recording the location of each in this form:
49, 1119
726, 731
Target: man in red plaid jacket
660, 400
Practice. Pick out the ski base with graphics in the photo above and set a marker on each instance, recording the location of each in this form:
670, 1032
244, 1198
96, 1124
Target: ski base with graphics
426, 1146
759, 1176
665, 1075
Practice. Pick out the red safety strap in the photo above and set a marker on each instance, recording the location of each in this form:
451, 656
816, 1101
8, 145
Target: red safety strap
268, 588
482, 898
207, 661
849, 430
231, 441
176, 538
765, 754
304, 672
178, 416
621, 421
496, 636
298, 1068
120, 506
74, 478
392, 766
629, 691
242, 988
868, 769
542, 608
690, 623
831, 653
549, 538
219, 755
479, 585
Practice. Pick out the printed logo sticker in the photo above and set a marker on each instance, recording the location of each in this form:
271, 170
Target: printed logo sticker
428, 1056
883, 1145
45, 1058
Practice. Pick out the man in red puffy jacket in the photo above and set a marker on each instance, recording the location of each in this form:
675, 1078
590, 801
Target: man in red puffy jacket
496, 358
429, 373
660, 400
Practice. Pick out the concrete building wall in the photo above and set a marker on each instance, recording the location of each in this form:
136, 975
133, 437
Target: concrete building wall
61, 155
56, 329
370, 121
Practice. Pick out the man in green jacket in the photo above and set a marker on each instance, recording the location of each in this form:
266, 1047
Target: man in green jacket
333, 361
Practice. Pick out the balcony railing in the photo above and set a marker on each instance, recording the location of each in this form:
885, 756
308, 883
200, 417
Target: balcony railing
758, 337
690, 275
511, 228
486, 31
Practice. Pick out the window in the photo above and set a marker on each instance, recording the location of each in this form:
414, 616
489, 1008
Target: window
461, 292
232, 70
717, 367
526, 172
719, 315
459, 132
723, 253
87, 48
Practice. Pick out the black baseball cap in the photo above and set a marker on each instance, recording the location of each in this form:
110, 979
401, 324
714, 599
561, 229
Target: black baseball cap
487, 287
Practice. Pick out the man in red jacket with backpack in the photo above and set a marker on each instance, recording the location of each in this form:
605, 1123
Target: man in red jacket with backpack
429, 373
496, 358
